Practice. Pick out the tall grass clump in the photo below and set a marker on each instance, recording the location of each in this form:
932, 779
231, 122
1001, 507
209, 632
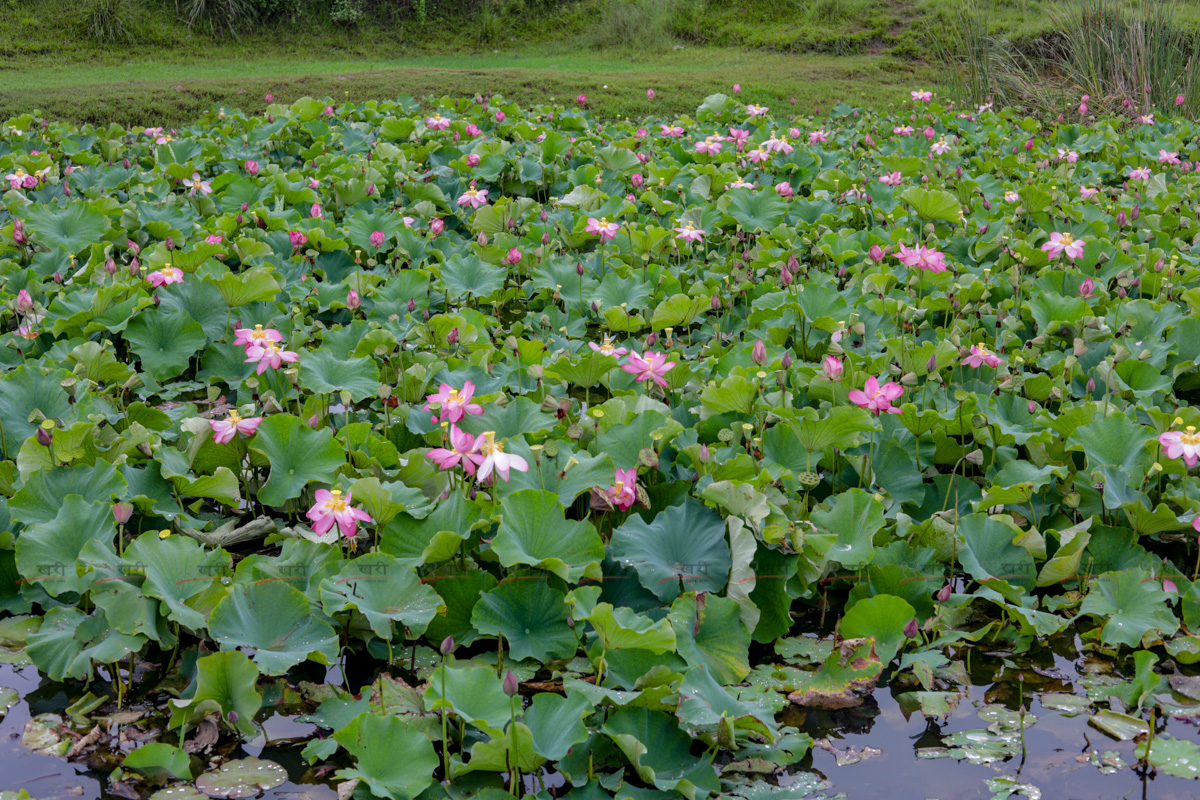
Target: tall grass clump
216, 16
979, 67
111, 21
645, 24
1131, 57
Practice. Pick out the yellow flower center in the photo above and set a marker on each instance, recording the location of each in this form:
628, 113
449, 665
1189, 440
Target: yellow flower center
20, 173
472, 192
1066, 239
983, 351
607, 348
233, 418
619, 485
336, 503
1190, 436
490, 445
454, 397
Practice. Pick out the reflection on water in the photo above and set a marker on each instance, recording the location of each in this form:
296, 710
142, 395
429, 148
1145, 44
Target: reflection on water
888, 751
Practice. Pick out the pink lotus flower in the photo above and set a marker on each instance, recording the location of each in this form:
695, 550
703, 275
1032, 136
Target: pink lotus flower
737, 88
689, 233
252, 168
1087, 192
436, 226
353, 301
607, 349
1011, 197
24, 301
1087, 290
892, 179
921, 96
437, 123
331, 507
758, 354
313, 183
464, 450
1183, 444
224, 430
164, 276
979, 356
636, 180
671, 130
500, 116
1063, 243
1167, 157
607, 231
269, 355
784, 189
1139, 174
649, 94
815, 137
473, 197
877, 253
757, 111
315, 211
197, 185
832, 368
739, 136
581, 99
710, 145
1146, 119
297, 239
922, 257
27, 331
513, 257
495, 459
258, 336
377, 238
876, 398
940, 147
454, 405
1070, 156
903, 130
651, 366
623, 493
473, 160
758, 156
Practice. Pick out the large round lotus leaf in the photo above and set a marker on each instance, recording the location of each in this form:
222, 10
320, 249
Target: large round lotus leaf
277, 622
530, 615
158, 761
245, 777
684, 549
385, 591
298, 454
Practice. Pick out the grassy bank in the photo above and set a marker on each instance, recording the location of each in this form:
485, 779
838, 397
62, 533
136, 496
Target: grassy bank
131, 61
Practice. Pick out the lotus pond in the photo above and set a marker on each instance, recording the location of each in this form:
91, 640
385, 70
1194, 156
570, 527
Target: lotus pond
455, 449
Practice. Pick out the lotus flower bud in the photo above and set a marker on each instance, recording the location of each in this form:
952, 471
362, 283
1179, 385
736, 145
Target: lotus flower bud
24, 301
704, 455
19, 232
122, 512
452, 337
1032, 407
651, 339
944, 593
637, 180
1169, 585
447, 646
352, 300
412, 305
542, 215
832, 368
110, 266
595, 308
579, 269
45, 433
715, 303
1091, 385
482, 239
510, 684
759, 354
911, 629
787, 360
58, 278
793, 264
1122, 220
170, 243
958, 171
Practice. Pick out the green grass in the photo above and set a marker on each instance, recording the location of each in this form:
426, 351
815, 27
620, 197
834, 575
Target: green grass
867, 52
153, 92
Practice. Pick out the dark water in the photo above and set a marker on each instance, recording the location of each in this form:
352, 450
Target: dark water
1052, 764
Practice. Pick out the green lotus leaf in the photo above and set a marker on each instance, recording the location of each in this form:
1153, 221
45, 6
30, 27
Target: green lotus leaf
298, 455
176, 568
225, 682
855, 517
660, 752
755, 210
69, 641
23, 391
375, 742
384, 591
72, 228
705, 704
242, 777
469, 275
41, 498
165, 341
709, 633
530, 615
1128, 606
556, 723
460, 594
882, 618
158, 762
513, 748
683, 549
322, 372
277, 621
473, 692
536, 532
846, 678
48, 552
253, 286
989, 555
